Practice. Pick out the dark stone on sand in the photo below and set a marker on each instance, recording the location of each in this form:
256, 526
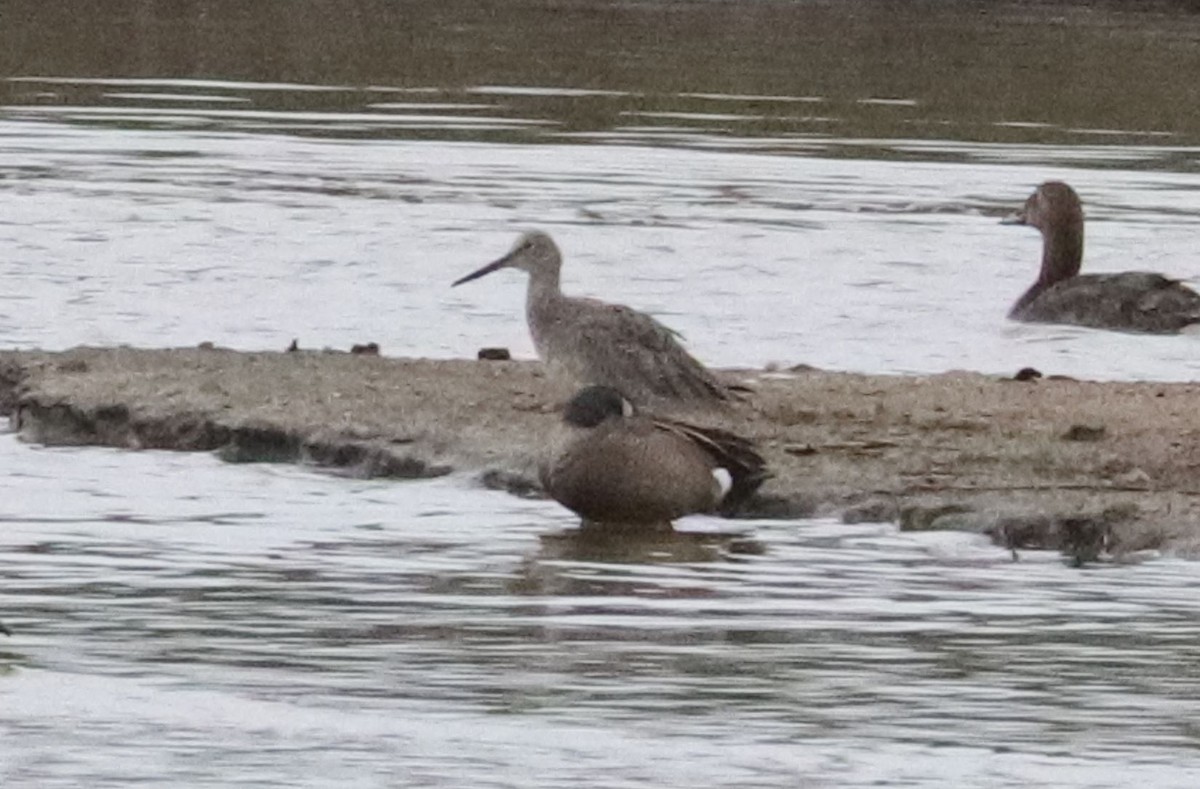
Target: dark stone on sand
1084, 433
494, 354
1027, 374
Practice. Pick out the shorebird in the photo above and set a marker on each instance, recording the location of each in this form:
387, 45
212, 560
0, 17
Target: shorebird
1136, 301
621, 469
594, 342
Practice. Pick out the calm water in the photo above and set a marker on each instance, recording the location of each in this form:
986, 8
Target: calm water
782, 181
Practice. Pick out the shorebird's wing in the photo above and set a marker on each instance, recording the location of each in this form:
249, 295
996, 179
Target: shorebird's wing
635, 353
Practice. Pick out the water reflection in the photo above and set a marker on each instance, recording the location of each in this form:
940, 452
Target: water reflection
572, 561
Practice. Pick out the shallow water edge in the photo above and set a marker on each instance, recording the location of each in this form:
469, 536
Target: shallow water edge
1088, 467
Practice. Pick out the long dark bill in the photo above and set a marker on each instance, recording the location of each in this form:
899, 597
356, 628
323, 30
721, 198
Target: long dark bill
488, 269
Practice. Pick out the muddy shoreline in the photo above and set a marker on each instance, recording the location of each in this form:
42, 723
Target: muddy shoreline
1074, 465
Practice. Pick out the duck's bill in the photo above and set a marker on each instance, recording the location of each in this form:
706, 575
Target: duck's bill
483, 272
1015, 218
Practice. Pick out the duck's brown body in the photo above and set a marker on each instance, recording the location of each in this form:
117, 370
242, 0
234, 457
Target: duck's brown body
634, 472
637, 471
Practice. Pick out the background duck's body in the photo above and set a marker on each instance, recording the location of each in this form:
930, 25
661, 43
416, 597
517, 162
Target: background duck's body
1134, 301
1139, 301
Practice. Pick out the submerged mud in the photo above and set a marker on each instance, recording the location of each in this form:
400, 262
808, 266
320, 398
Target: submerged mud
1089, 468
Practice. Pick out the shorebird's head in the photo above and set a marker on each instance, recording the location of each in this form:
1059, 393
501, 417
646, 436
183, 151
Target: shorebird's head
1052, 205
535, 252
593, 405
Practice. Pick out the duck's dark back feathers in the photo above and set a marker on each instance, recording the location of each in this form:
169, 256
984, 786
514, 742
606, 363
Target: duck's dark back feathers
1134, 301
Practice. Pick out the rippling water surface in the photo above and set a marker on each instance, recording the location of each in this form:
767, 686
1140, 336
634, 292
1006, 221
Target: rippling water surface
180, 620
887, 258
782, 182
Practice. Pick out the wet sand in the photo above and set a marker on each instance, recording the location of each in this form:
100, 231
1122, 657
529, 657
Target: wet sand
1075, 465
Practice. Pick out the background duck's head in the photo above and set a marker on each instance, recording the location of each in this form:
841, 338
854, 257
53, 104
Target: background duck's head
1052, 205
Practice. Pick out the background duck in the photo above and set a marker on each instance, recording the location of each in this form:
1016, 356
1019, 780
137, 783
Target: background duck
1135, 301
595, 342
621, 468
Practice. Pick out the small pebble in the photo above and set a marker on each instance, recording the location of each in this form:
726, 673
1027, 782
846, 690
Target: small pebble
494, 354
1027, 374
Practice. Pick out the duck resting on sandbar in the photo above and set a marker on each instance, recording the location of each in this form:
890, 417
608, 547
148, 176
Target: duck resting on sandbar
595, 342
621, 470
1133, 301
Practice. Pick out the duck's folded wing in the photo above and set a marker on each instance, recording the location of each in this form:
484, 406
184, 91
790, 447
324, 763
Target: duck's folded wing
1131, 301
747, 468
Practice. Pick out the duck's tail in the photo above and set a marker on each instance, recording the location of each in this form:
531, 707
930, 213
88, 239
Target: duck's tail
747, 469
